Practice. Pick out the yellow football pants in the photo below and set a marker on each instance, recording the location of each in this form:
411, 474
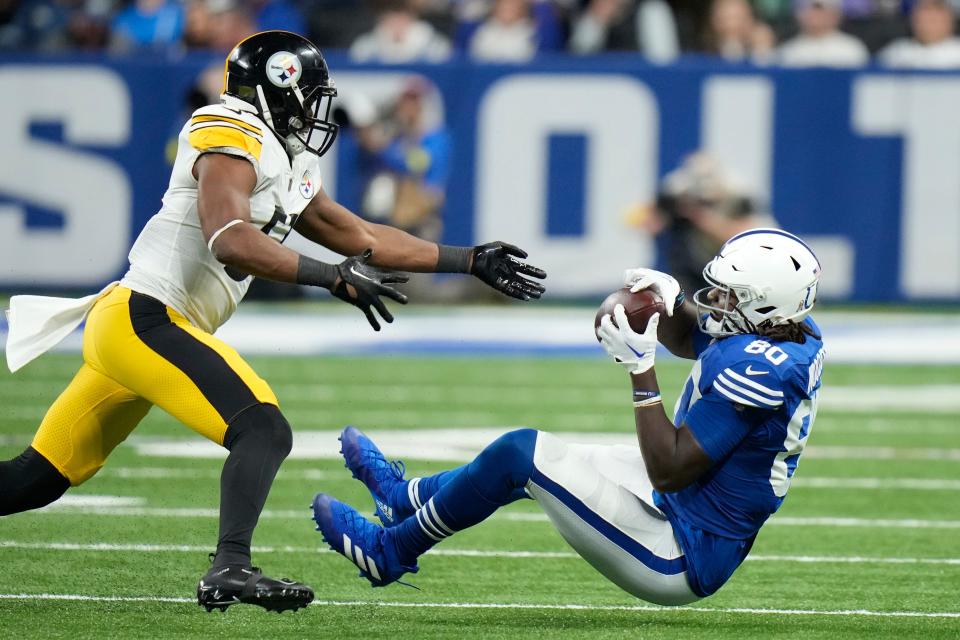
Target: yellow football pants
138, 353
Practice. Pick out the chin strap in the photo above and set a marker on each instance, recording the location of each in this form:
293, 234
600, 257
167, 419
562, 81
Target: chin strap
264, 108
292, 143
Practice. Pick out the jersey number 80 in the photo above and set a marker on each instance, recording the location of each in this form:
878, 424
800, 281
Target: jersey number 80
774, 354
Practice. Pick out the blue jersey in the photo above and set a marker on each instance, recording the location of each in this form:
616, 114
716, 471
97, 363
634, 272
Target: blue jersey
750, 402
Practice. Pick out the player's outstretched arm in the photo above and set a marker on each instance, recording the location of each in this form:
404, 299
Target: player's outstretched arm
223, 204
673, 457
677, 329
328, 223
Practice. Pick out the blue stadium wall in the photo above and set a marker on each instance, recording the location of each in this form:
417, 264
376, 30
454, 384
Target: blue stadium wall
553, 156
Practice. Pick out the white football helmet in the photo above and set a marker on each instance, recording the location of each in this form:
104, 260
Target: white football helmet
773, 276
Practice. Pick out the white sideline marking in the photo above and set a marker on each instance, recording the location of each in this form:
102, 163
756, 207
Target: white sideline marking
880, 453
853, 337
165, 473
452, 553
914, 484
506, 605
864, 522
852, 560
304, 514
799, 522
462, 445
474, 401
931, 398
80, 501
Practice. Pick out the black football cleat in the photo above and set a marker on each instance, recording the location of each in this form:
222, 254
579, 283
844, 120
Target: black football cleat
226, 586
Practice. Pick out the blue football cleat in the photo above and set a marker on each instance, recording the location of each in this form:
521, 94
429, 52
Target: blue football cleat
362, 542
368, 465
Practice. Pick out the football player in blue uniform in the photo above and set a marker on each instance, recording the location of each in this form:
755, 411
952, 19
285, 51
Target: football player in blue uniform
668, 521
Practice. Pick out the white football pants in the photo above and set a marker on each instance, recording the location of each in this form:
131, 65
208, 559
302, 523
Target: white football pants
601, 501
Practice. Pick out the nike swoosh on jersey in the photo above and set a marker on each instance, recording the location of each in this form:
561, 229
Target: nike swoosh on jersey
753, 372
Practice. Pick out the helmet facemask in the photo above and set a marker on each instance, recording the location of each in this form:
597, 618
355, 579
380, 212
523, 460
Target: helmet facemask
303, 120
284, 77
760, 279
724, 316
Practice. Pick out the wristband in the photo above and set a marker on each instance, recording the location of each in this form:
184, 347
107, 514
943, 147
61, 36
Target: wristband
453, 259
649, 402
640, 394
316, 273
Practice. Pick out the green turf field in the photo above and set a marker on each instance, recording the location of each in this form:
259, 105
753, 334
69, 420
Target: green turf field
867, 544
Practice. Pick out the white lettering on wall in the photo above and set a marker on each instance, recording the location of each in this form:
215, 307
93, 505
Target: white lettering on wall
91, 192
618, 117
923, 110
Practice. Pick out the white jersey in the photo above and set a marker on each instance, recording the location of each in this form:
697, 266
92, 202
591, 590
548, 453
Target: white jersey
170, 260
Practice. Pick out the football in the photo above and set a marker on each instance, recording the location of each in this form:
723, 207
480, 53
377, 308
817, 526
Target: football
639, 307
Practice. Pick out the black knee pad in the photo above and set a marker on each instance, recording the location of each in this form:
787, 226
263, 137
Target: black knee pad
263, 425
29, 481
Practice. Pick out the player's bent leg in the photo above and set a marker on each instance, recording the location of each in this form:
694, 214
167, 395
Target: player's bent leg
154, 351
204, 383
394, 498
360, 541
79, 431
28, 482
382, 478
259, 439
92, 416
584, 491
493, 479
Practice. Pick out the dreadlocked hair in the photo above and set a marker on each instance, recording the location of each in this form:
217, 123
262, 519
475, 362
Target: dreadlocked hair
788, 332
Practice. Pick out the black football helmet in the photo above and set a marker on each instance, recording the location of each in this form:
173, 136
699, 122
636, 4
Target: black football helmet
285, 78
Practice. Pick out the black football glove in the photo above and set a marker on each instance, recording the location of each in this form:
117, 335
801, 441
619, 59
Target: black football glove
368, 284
496, 264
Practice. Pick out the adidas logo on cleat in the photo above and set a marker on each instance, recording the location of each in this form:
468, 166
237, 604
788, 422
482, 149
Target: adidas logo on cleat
384, 509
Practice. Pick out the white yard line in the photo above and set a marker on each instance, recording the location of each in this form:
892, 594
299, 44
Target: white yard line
788, 521
172, 473
60, 508
933, 398
452, 553
912, 484
805, 481
463, 444
881, 523
507, 605
851, 337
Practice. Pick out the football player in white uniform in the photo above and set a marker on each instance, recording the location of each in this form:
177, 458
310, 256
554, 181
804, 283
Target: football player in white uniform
246, 174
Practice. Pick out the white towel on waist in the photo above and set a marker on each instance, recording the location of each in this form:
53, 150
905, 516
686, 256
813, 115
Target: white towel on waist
39, 323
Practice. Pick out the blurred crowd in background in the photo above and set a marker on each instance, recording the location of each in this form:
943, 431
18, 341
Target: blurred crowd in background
840, 33
399, 141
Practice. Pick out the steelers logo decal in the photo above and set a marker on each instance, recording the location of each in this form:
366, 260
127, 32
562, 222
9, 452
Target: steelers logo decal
284, 69
306, 185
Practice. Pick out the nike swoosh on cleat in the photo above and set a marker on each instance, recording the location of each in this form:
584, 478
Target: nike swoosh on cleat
753, 372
